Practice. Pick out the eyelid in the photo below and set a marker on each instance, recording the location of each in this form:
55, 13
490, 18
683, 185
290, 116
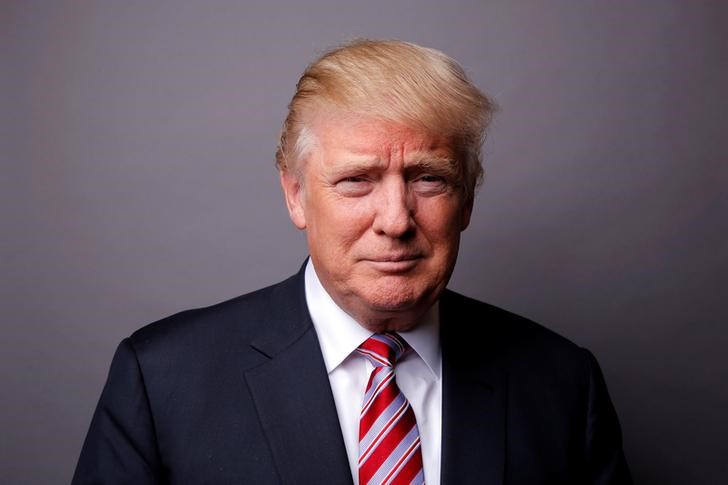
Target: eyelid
431, 175
353, 188
353, 178
433, 178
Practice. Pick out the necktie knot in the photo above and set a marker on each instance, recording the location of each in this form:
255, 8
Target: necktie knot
383, 349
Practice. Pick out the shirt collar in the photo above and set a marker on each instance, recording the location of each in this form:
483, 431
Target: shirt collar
339, 334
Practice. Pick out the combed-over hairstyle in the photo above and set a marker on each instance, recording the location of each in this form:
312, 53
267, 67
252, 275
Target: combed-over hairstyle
394, 81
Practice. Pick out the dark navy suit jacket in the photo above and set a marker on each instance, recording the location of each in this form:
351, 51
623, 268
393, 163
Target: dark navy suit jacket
238, 393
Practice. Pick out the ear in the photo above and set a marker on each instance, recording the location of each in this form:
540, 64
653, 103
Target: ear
467, 212
293, 193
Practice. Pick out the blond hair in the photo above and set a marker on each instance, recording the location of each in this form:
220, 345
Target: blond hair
395, 81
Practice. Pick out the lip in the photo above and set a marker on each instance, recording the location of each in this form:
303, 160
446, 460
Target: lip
396, 263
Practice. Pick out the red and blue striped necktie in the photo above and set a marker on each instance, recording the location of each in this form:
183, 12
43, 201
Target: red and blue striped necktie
389, 441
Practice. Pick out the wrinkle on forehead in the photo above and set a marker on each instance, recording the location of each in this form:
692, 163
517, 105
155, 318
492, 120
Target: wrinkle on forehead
373, 137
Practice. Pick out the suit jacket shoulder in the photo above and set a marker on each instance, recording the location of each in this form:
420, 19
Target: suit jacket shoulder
277, 310
539, 400
512, 331
230, 393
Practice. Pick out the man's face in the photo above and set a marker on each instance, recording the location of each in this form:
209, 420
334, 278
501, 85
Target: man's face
383, 209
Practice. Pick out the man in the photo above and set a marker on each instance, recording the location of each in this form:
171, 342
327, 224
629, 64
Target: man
362, 367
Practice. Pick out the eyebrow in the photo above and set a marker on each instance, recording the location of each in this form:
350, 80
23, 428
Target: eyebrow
356, 164
424, 161
433, 163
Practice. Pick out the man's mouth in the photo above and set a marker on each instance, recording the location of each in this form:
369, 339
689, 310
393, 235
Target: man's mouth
395, 263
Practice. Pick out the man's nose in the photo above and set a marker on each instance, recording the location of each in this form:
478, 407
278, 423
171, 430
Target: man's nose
394, 209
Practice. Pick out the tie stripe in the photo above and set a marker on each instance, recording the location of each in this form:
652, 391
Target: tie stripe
374, 424
379, 384
389, 441
384, 424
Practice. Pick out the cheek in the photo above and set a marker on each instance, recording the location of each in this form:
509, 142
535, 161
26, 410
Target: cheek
441, 220
339, 223
349, 215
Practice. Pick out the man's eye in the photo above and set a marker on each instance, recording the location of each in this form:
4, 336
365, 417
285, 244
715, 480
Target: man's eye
353, 186
430, 178
430, 184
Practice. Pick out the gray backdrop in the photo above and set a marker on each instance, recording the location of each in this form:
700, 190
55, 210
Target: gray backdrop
138, 180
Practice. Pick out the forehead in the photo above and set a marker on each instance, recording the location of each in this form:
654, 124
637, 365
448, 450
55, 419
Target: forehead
366, 137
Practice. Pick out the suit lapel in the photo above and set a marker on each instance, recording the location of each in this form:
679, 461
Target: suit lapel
474, 400
293, 396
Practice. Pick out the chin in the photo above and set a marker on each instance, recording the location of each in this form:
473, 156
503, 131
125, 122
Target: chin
394, 310
392, 299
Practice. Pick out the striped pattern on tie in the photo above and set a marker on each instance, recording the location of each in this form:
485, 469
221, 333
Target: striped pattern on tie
389, 442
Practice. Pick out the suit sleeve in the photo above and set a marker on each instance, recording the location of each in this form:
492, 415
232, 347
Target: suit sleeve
605, 459
121, 444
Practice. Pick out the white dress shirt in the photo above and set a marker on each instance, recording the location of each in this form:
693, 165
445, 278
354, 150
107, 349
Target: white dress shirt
418, 374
